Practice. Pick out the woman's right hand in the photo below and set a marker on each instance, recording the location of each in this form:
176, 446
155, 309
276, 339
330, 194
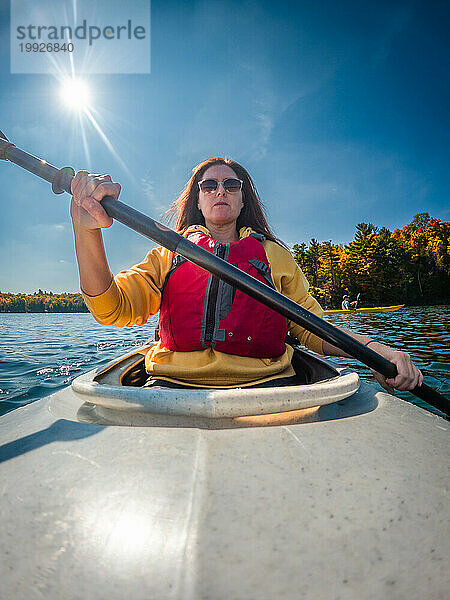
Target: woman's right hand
87, 189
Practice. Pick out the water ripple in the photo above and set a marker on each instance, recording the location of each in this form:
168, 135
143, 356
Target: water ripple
423, 332
41, 353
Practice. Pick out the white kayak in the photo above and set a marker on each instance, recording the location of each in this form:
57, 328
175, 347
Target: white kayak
316, 491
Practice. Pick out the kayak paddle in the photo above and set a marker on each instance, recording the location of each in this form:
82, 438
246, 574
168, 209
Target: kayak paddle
61, 180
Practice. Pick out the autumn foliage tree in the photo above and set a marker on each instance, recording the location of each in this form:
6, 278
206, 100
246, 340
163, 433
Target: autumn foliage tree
409, 265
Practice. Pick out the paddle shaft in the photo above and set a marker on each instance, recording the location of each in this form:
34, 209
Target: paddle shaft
61, 181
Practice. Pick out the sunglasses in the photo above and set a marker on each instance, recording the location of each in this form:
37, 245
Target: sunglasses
230, 184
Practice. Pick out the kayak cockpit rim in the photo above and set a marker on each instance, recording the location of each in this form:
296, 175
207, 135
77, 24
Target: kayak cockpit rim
116, 386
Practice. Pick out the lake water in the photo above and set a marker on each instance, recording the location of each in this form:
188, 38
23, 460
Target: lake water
42, 353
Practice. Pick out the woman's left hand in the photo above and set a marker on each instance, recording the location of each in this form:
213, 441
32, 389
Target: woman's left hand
408, 375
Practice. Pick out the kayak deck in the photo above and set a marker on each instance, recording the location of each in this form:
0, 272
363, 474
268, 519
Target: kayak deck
349, 505
380, 309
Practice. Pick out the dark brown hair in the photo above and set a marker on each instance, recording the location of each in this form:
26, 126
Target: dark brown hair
186, 211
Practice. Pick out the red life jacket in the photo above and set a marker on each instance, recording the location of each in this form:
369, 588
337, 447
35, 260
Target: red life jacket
198, 310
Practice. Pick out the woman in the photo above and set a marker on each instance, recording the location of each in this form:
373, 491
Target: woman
211, 334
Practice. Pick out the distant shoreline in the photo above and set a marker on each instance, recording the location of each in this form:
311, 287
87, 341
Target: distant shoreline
70, 303
43, 312
42, 302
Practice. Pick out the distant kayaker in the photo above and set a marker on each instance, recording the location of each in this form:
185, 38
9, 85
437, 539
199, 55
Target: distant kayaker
211, 335
346, 304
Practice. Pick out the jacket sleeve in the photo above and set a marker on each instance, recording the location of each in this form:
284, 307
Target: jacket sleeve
134, 294
289, 279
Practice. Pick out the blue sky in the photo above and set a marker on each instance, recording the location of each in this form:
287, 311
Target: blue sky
339, 110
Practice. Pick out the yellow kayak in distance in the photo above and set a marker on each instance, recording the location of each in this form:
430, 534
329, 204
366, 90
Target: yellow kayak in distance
381, 309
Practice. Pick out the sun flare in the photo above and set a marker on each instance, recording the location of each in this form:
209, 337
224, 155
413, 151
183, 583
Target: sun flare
75, 94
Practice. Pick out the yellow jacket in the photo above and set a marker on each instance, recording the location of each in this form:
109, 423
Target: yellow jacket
135, 295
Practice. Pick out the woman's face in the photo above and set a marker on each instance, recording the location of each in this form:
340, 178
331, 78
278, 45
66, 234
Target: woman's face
220, 207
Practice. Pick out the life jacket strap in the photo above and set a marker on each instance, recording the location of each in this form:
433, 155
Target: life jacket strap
263, 269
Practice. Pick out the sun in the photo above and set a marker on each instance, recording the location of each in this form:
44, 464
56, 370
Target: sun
75, 93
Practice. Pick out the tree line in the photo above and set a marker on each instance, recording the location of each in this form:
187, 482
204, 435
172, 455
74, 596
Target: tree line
410, 265
42, 301
406, 266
